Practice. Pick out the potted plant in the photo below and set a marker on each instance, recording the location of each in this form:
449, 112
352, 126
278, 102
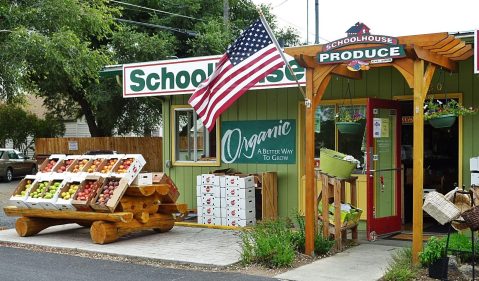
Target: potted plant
443, 115
435, 258
348, 120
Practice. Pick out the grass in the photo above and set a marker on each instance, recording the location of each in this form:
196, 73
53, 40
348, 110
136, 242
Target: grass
401, 267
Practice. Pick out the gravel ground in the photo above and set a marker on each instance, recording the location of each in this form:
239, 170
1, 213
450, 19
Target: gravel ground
6, 190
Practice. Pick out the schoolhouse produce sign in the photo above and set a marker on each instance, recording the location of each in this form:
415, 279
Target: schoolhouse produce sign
359, 34
259, 141
182, 76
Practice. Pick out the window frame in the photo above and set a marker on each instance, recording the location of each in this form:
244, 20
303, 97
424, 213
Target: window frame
216, 163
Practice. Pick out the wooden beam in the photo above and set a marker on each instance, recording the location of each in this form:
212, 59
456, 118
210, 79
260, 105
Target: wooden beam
464, 56
319, 94
441, 43
75, 215
406, 67
421, 84
423, 39
310, 189
306, 61
434, 58
460, 52
320, 73
343, 71
310, 50
446, 47
453, 49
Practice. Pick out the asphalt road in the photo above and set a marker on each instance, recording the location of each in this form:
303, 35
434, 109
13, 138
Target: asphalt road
19, 264
6, 190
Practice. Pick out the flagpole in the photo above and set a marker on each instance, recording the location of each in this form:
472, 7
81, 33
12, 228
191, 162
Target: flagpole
270, 33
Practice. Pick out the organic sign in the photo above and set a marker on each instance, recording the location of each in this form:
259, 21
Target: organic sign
259, 141
476, 49
182, 76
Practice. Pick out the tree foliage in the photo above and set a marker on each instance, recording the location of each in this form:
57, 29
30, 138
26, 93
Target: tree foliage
56, 50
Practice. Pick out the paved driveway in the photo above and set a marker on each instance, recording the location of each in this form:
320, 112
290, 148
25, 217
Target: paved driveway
6, 190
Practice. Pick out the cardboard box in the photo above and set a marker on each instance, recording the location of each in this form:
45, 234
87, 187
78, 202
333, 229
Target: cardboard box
64, 164
241, 182
173, 193
238, 213
66, 204
475, 178
80, 201
213, 211
50, 163
214, 190
236, 191
143, 179
37, 191
242, 203
210, 220
240, 222
78, 166
49, 203
109, 205
92, 167
25, 185
106, 167
474, 164
198, 180
129, 167
210, 179
211, 201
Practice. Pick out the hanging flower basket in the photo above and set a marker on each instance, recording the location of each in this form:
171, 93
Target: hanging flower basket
443, 121
348, 127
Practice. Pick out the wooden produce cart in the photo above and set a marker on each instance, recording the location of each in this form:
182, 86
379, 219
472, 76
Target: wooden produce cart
140, 208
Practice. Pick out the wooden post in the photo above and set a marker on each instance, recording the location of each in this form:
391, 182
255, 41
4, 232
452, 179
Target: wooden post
325, 204
310, 186
421, 85
337, 213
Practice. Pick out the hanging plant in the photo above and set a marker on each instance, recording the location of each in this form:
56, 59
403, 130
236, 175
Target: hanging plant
348, 121
443, 115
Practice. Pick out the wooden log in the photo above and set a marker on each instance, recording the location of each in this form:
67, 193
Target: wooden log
143, 190
138, 204
26, 226
168, 193
158, 222
102, 232
142, 217
72, 215
173, 208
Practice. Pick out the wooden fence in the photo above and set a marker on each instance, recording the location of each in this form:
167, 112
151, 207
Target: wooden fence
149, 147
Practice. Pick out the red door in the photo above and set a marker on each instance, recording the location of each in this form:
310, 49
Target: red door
383, 173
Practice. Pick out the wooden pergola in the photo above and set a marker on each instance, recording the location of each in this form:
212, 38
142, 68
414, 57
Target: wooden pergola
424, 53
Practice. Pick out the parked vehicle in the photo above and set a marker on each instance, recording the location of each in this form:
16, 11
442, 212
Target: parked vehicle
14, 164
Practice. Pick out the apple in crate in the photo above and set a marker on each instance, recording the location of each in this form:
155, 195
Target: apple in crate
28, 185
88, 189
66, 195
78, 167
107, 191
94, 166
48, 168
124, 165
107, 167
51, 190
37, 193
64, 165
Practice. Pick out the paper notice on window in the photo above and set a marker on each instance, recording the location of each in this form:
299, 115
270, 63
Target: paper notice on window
384, 127
377, 127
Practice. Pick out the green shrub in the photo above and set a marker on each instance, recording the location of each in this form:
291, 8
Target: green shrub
463, 245
269, 244
433, 251
321, 245
401, 267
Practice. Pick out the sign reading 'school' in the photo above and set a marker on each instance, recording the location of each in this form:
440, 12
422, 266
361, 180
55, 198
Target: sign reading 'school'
359, 34
182, 76
259, 141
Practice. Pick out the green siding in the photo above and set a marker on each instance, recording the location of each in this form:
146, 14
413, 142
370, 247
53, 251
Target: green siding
254, 105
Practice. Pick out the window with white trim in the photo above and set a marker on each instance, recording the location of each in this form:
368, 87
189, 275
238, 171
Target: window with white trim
193, 143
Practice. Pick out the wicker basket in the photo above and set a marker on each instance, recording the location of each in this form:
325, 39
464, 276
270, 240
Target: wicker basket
471, 217
441, 209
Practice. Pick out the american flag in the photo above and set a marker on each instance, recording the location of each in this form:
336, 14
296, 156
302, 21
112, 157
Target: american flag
251, 58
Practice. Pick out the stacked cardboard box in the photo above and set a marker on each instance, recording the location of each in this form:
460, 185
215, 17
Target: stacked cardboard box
226, 200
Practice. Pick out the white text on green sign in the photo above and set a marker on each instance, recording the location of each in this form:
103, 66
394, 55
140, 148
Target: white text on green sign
365, 54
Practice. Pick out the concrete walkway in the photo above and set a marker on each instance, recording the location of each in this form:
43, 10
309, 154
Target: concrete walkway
364, 262
202, 246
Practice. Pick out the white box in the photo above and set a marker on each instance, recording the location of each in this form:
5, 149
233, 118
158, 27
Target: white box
213, 211
223, 193
210, 179
222, 181
240, 222
49, 204
210, 200
475, 179
242, 203
241, 182
66, 204
199, 212
143, 179
17, 199
137, 162
44, 168
199, 202
198, 180
210, 220
198, 190
236, 191
214, 190
474, 164
32, 202
243, 214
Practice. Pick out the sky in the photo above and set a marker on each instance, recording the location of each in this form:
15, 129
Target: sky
383, 17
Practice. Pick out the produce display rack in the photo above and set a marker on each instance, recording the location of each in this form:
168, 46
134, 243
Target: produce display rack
333, 187
140, 208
